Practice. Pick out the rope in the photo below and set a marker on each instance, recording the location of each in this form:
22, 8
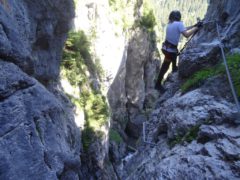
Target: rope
227, 70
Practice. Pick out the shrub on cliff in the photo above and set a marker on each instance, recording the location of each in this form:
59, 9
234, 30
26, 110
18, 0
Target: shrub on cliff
148, 20
199, 77
76, 66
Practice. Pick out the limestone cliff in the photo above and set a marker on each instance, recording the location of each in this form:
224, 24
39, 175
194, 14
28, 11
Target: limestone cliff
38, 136
134, 83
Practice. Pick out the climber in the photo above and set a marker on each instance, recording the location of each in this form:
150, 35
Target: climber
174, 29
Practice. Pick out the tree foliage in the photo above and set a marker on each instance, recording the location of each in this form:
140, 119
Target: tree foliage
76, 66
148, 20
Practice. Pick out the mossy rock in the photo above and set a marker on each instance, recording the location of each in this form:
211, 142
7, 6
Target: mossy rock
115, 136
197, 79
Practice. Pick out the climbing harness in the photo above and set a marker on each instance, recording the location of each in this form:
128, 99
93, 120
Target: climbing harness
227, 69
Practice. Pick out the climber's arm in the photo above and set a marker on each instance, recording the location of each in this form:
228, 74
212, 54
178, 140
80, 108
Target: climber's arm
188, 32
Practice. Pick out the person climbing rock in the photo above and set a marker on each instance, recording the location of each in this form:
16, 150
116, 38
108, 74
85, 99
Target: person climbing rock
174, 29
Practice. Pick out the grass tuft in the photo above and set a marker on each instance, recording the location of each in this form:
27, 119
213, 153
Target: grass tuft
197, 79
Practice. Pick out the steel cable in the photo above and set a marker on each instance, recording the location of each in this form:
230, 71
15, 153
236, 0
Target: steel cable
227, 70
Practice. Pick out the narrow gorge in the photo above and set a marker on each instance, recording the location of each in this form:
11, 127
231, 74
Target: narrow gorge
77, 96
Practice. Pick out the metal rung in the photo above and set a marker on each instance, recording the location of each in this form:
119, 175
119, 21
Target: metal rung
144, 135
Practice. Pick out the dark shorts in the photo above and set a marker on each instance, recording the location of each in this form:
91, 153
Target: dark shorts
170, 55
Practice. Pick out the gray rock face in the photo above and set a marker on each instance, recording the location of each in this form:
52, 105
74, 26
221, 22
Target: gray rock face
135, 78
182, 112
38, 139
32, 34
212, 154
216, 158
203, 50
38, 136
138, 55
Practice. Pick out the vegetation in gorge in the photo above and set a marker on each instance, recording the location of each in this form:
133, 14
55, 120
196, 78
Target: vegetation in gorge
148, 20
190, 11
187, 137
199, 77
115, 136
190, 135
121, 11
121, 8
76, 67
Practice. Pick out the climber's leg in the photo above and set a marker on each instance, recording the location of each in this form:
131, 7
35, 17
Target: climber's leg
163, 70
174, 62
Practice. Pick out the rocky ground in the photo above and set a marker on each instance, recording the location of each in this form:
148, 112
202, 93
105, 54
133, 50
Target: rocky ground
192, 135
